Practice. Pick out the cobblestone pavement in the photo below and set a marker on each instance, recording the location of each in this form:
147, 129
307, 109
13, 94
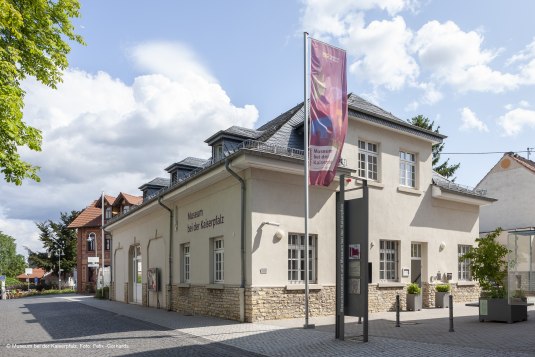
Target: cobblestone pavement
422, 333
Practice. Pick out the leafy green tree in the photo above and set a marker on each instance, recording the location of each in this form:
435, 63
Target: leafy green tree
488, 264
32, 43
56, 237
444, 169
11, 263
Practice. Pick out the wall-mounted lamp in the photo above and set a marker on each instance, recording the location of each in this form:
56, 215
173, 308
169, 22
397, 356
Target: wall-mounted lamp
278, 235
441, 246
371, 245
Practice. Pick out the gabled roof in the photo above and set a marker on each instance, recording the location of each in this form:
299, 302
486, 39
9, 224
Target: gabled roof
158, 182
91, 216
108, 199
130, 199
36, 273
530, 165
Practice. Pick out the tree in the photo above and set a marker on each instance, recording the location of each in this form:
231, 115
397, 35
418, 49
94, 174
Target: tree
444, 169
488, 264
56, 238
32, 44
11, 263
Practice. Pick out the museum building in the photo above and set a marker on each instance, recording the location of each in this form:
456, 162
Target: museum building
226, 238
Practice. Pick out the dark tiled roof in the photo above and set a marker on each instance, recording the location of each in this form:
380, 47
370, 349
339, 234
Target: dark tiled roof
443, 182
236, 131
158, 182
188, 163
281, 130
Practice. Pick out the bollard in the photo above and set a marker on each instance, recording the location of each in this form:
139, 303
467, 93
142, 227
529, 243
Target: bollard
397, 310
451, 313
360, 320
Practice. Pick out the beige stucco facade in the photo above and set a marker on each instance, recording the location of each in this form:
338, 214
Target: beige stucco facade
207, 207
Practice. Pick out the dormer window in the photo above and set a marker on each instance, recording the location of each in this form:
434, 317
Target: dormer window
218, 152
108, 213
126, 209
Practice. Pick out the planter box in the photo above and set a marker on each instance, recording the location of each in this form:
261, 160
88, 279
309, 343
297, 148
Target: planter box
442, 299
500, 310
414, 302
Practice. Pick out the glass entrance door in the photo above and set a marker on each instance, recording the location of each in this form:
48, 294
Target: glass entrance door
136, 275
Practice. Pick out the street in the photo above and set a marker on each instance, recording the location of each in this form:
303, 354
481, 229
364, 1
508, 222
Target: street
56, 326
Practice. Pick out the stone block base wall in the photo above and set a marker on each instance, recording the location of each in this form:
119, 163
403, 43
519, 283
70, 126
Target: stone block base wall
384, 298
205, 301
280, 303
144, 301
112, 291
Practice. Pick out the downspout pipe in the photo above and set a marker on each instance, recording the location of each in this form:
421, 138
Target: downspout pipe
242, 183
242, 285
169, 289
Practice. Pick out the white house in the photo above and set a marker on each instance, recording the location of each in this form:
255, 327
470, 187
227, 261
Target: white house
512, 182
226, 236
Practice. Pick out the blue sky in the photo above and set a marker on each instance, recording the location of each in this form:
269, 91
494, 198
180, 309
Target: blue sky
156, 79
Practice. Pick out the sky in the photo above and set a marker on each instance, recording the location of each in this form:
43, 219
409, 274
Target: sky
157, 78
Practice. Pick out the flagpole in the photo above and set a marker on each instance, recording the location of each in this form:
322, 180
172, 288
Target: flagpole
306, 137
102, 241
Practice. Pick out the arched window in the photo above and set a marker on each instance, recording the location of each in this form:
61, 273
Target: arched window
91, 241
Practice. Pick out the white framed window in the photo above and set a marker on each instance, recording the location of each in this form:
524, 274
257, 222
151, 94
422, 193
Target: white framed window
296, 258
219, 260
388, 260
107, 243
407, 169
186, 263
416, 250
126, 209
464, 272
368, 160
218, 152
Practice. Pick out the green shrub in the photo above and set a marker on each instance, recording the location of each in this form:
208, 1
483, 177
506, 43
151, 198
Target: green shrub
103, 293
443, 288
414, 289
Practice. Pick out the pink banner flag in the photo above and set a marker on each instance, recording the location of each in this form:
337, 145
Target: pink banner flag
328, 111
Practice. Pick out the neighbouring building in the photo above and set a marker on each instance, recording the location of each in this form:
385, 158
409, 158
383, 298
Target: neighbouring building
88, 227
225, 238
512, 181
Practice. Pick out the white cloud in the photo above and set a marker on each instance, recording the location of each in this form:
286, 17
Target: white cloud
24, 232
455, 57
471, 121
103, 134
514, 121
381, 52
333, 18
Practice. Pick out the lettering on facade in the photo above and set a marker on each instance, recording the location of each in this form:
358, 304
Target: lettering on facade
196, 214
204, 223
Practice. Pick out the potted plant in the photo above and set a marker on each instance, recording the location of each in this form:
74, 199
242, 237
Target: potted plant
489, 267
414, 297
442, 295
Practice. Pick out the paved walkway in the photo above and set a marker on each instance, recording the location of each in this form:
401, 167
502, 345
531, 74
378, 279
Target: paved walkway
422, 333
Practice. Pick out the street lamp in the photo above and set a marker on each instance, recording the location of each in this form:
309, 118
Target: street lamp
60, 252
